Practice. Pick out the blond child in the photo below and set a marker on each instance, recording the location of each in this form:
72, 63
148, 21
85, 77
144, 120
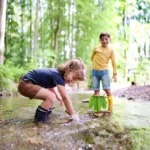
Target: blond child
41, 83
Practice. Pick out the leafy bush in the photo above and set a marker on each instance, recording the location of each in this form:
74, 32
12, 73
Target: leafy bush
5, 72
9, 75
7, 84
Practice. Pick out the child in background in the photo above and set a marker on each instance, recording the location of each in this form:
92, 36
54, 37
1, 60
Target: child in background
100, 59
40, 84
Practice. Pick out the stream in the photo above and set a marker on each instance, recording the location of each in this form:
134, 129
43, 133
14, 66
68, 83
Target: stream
127, 128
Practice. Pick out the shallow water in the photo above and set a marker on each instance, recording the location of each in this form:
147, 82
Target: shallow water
127, 128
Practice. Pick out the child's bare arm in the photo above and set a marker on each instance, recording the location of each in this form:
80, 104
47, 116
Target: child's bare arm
66, 99
56, 94
68, 103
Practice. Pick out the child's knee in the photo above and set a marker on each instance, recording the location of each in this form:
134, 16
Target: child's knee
51, 97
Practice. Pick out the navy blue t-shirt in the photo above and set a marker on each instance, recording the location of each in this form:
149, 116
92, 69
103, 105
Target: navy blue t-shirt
45, 77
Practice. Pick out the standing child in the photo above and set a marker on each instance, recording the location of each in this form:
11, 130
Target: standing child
40, 84
100, 59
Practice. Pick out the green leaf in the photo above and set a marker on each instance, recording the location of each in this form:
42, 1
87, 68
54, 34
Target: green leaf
95, 104
91, 102
103, 102
99, 103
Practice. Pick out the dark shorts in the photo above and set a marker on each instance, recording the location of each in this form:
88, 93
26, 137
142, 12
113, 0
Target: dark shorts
28, 89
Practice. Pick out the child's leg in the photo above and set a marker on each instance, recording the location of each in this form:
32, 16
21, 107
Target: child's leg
45, 108
110, 100
110, 103
96, 92
48, 97
49, 111
31, 90
106, 87
96, 82
40, 114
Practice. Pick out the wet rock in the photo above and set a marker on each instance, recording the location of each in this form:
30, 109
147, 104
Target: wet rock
3, 93
122, 95
130, 98
85, 101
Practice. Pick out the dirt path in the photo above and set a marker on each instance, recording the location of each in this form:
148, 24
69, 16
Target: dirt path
134, 92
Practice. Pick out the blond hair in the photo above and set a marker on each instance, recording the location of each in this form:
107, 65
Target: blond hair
73, 65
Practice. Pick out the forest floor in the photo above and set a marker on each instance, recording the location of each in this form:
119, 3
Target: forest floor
134, 92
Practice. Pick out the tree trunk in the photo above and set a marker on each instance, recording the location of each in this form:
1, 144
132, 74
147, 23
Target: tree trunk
3, 6
51, 14
22, 48
31, 27
125, 38
57, 33
72, 33
36, 28
69, 26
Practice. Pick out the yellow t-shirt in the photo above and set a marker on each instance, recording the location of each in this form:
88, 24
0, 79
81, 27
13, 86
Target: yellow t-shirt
101, 56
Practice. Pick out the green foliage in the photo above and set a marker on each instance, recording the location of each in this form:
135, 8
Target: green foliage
7, 84
77, 34
140, 138
98, 102
5, 72
30, 64
6, 79
12, 72
143, 5
145, 66
46, 56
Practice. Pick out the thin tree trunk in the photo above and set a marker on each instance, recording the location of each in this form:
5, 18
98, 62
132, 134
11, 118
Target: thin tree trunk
22, 35
69, 26
57, 33
72, 34
77, 34
125, 38
3, 6
51, 14
36, 28
42, 33
31, 27
6, 35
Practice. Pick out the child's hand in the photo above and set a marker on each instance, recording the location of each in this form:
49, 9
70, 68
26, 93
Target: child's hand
61, 101
75, 117
115, 77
